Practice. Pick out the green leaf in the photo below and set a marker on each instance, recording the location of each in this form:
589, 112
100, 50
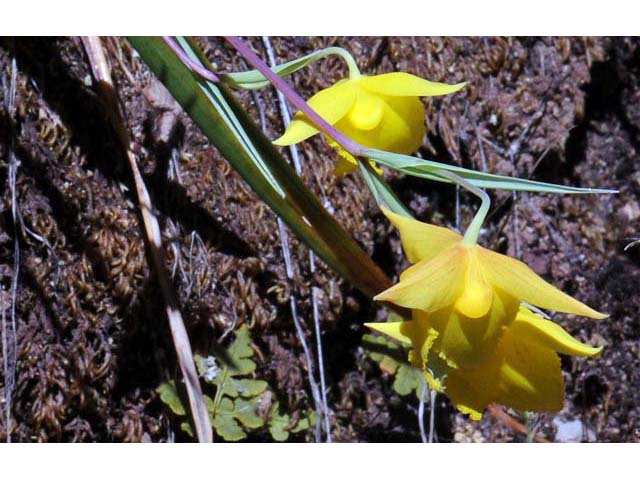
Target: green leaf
185, 427
225, 424
305, 423
408, 379
392, 359
379, 346
429, 169
249, 388
228, 416
240, 353
278, 424
214, 109
245, 411
233, 411
169, 395
278, 433
211, 406
395, 317
253, 79
388, 364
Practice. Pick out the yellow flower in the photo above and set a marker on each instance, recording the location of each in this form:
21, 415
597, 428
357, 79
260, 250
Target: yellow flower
470, 293
381, 111
523, 372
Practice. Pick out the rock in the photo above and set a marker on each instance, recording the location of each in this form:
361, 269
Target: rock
572, 431
630, 212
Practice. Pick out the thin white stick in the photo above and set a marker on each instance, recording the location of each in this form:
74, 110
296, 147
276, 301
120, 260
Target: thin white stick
295, 155
432, 414
284, 108
5, 364
421, 402
11, 373
307, 353
288, 265
323, 386
10, 354
483, 157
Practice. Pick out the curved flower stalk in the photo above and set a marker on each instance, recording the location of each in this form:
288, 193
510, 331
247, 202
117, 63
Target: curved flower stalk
381, 111
465, 299
253, 79
522, 372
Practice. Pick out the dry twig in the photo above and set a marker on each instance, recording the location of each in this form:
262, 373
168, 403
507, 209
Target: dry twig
102, 75
9, 342
502, 416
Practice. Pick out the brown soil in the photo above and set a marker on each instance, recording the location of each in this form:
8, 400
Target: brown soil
92, 339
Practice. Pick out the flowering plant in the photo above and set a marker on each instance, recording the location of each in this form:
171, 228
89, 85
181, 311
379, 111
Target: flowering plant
469, 332
381, 111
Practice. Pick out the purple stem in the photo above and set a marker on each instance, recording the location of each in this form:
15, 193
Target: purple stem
278, 82
199, 69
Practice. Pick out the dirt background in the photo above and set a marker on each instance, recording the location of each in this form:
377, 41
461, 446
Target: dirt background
92, 342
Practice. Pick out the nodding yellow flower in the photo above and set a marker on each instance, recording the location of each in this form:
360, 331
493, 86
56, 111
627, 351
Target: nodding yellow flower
523, 372
471, 294
381, 111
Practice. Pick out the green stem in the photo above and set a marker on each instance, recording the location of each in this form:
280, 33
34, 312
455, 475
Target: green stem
354, 71
473, 230
219, 392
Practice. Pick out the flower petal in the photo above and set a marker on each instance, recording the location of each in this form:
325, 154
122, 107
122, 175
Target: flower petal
477, 295
332, 104
517, 279
470, 342
421, 241
521, 375
400, 129
404, 84
422, 338
366, 112
533, 328
472, 390
530, 378
400, 331
344, 166
346, 163
431, 284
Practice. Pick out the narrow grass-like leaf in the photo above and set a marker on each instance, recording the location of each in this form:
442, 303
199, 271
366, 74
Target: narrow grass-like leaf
235, 135
428, 169
253, 79
385, 197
